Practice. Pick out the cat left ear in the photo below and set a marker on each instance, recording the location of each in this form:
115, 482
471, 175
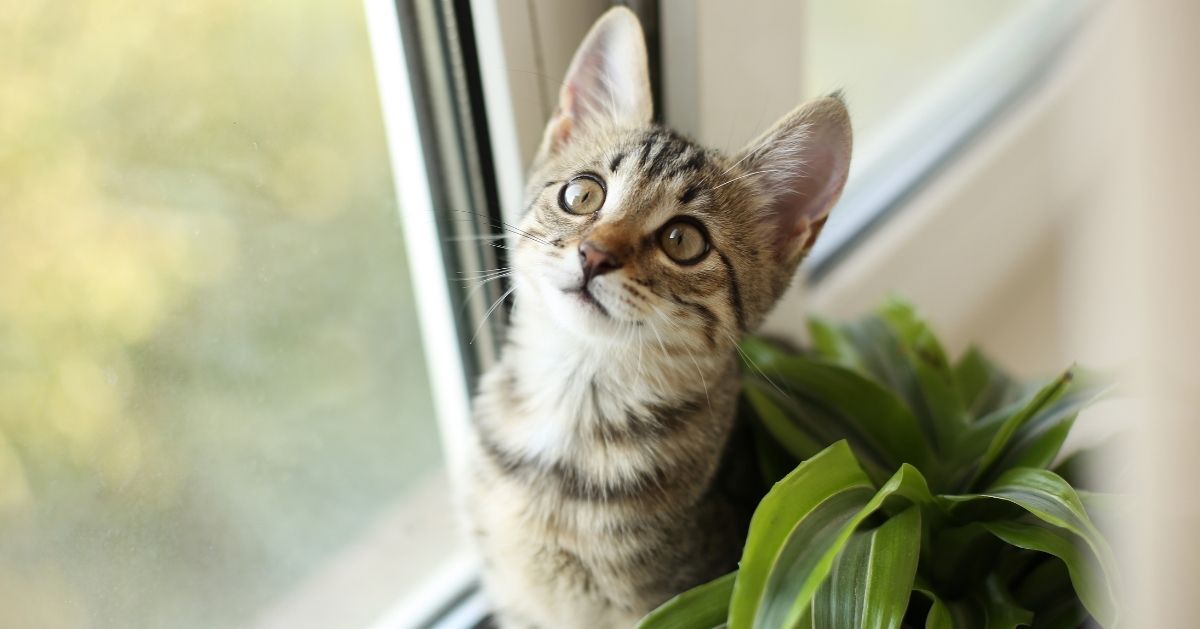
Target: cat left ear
607, 84
802, 162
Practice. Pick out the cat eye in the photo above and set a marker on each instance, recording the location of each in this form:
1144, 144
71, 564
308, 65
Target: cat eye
582, 195
683, 240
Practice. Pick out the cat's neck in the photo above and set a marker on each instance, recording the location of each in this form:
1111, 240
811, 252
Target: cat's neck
646, 367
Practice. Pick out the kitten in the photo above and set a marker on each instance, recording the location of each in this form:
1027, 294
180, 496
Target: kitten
599, 432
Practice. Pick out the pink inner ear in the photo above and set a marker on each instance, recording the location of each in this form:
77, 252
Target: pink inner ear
807, 182
606, 84
814, 232
801, 209
563, 120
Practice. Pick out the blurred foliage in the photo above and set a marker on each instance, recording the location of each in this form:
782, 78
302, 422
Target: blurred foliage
207, 338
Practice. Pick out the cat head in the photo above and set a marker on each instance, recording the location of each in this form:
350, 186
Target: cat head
637, 234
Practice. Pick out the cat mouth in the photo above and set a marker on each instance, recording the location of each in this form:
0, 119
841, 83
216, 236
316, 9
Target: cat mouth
588, 298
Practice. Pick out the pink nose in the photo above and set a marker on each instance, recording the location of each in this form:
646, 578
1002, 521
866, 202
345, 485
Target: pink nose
596, 260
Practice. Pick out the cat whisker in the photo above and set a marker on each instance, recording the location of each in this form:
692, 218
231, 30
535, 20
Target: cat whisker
656, 335
475, 289
757, 172
484, 280
496, 223
517, 232
485, 237
489, 312
639, 346
483, 273
735, 164
756, 367
696, 363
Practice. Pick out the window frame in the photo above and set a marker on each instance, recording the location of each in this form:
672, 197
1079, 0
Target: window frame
427, 62
422, 173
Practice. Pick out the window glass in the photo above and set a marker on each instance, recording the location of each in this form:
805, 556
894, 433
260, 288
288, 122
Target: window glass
921, 78
212, 389
884, 54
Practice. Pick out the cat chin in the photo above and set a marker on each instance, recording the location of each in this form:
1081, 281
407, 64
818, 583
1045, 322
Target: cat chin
583, 316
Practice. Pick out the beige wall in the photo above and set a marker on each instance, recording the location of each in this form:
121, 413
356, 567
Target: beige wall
1162, 204
1067, 234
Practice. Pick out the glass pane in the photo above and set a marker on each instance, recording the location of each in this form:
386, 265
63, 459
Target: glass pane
884, 54
921, 78
212, 390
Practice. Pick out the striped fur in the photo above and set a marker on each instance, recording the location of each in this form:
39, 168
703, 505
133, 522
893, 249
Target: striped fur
600, 432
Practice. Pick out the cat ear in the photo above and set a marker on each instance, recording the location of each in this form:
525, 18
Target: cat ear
802, 162
607, 83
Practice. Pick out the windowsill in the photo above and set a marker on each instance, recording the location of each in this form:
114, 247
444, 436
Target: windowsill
358, 586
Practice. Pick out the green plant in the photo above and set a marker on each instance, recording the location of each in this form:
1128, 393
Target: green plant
922, 497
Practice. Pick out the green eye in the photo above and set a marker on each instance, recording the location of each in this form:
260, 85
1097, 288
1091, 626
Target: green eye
683, 240
582, 195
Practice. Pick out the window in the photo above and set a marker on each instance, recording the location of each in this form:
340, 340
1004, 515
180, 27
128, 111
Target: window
923, 78
215, 409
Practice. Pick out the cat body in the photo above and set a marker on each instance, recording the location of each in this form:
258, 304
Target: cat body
593, 490
643, 259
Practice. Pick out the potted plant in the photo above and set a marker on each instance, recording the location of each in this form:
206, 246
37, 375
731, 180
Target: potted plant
908, 491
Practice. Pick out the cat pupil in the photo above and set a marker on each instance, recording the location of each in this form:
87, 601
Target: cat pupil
683, 242
582, 195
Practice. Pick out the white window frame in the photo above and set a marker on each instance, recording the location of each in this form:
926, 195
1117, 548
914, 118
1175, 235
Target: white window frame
436, 316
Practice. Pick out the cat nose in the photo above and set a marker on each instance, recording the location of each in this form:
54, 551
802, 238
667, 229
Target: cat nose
596, 260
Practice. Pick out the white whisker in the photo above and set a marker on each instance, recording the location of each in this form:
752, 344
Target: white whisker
490, 311
756, 367
475, 289
757, 172
695, 362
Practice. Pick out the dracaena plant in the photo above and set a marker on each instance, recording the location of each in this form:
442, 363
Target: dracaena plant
912, 492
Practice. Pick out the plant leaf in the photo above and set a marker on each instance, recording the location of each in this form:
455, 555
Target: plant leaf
1044, 585
1039, 448
702, 607
912, 331
829, 343
1011, 423
1067, 614
779, 423
939, 616
872, 578
982, 385
1038, 442
900, 353
939, 397
870, 415
774, 462
801, 497
1048, 498
1001, 611
807, 556
1056, 542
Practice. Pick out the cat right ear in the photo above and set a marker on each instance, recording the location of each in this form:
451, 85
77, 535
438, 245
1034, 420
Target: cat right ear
802, 163
607, 84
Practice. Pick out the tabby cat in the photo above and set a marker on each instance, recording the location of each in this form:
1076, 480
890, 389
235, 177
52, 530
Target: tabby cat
643, 259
